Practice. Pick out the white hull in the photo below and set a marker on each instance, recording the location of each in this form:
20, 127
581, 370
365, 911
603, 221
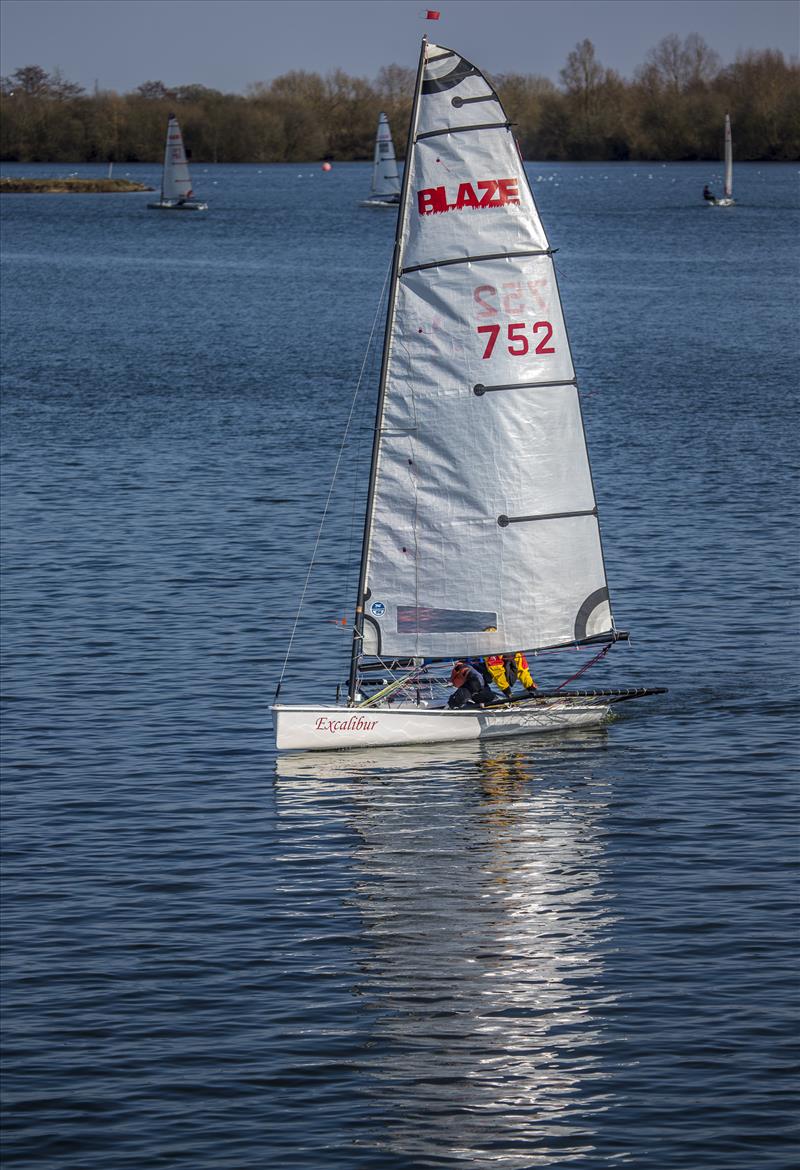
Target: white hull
378, 202
315, 727
176, 205
723, 202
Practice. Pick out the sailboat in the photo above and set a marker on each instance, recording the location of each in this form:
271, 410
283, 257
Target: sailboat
176, 183
481, 534
385, 179
727, 199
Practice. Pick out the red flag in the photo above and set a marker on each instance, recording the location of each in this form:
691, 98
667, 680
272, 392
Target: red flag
431, 14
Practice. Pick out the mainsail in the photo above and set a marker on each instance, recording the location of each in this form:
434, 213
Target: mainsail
728, 158
385, 179
481, 532
176, 183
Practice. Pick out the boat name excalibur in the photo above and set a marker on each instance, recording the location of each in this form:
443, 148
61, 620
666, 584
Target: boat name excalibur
354, 723
496, 193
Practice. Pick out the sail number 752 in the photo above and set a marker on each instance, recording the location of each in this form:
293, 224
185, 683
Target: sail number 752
516, 334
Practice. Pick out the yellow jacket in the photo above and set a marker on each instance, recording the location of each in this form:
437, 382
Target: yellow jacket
505, 669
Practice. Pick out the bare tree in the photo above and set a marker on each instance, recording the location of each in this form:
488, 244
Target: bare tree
679, 65
31, 80
154, 91
583, 74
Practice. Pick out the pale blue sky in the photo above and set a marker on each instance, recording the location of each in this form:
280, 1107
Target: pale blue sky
229, 44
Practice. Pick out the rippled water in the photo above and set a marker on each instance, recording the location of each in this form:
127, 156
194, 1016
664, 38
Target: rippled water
577, 950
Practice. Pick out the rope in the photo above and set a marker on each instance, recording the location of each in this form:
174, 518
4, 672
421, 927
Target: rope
586, 666
395, 685
333, 482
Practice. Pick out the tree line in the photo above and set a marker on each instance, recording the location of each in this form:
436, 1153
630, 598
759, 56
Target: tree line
671, 109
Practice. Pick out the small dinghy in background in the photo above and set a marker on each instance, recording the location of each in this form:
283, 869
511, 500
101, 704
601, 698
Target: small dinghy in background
727, 199
176, 183
385, 178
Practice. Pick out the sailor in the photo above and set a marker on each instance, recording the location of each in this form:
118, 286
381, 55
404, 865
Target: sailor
708, 194
506, 669
469, 686
482, 669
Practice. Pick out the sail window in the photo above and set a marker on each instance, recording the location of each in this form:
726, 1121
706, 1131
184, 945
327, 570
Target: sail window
414, 618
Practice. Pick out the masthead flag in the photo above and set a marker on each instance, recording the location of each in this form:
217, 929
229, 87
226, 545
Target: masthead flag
431, 14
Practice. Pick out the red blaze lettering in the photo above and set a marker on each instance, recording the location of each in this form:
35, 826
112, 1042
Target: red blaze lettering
488, 186
431, 200
466, 197
494, 193
509, 191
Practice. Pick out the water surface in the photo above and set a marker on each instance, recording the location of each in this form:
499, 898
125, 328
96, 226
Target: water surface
577, 950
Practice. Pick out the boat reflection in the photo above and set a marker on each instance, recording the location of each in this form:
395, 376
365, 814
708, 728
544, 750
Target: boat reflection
479, 885
416, 760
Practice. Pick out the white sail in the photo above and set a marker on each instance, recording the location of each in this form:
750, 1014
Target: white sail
176, 183
728, 158
482, 530
385, 179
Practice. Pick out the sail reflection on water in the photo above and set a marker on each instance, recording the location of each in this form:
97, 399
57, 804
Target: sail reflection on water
479, 888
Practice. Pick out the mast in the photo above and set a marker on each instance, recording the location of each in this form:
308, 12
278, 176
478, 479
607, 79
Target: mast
358, 625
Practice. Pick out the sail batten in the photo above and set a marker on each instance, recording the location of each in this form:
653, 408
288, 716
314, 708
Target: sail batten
475, 307
504, 521
475, 259
480, 389
464, 129
489, 97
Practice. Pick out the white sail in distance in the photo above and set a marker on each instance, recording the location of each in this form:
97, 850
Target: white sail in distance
385, 179
728, 158
482, 533
176, 182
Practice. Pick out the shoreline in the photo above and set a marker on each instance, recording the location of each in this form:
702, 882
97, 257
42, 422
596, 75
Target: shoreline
70, 186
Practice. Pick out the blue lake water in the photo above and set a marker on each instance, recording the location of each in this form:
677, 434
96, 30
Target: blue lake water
575, 951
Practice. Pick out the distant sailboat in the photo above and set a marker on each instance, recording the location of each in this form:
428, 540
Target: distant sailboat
176, 183
481, 534
727, 199
385, 179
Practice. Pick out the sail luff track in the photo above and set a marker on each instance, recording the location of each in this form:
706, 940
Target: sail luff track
358, 624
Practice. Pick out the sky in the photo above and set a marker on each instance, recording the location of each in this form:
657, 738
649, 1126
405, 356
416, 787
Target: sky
231, 44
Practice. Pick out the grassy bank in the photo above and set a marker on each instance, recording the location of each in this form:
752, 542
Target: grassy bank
69, 186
